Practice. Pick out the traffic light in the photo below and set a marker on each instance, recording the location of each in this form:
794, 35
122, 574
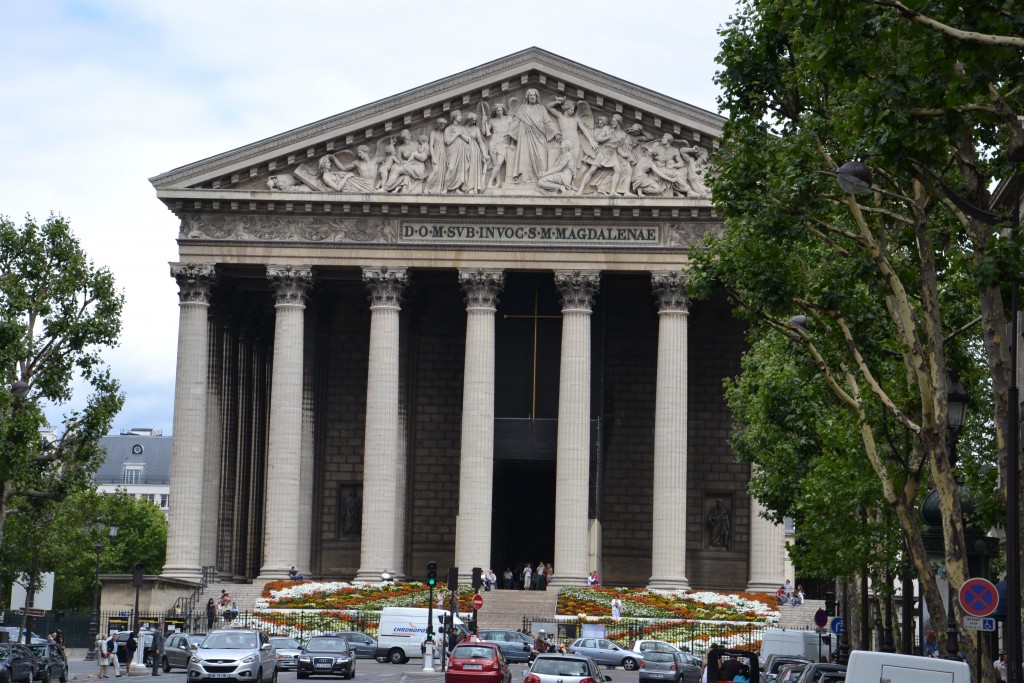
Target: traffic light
830, 604
453, 579
478, 579
431, 574
138, 575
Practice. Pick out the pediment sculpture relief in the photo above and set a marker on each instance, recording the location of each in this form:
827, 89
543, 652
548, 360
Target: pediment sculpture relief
557, 147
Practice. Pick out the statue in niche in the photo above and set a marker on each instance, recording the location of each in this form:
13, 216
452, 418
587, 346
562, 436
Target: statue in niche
613, 156
351, 514
719, 525
575, 120
438, 158
531, 130
495, 128
408, 174
558, 179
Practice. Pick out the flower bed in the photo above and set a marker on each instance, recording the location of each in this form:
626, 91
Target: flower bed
338, 595
640, 602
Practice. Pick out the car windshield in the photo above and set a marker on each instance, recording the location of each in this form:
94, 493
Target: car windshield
560, 667
472, 652
195, 641
323, 644
229, 641
38, 649
286, 643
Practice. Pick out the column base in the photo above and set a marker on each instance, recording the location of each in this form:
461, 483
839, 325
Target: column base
562, 580
763, 587
678, 583
181, 571
273, 574
370, 575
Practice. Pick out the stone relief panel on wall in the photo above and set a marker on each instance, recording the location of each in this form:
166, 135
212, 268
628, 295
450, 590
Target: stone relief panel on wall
284, 228
529, 143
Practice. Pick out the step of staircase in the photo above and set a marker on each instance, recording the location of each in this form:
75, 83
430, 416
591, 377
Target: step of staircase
507, 608
800, 616
243, 594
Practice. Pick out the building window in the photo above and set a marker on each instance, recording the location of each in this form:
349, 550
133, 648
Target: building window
788, 526
132, 474
151, 497
165, 500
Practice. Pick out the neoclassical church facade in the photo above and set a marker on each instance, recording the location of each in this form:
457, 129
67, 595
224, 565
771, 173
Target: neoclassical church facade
453, 325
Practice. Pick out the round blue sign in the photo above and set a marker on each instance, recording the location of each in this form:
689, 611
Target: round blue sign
837, 626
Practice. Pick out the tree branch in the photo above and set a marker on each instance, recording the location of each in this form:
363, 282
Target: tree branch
937, 26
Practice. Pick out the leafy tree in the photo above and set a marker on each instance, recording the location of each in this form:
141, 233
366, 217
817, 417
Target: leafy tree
886, 293
57, 312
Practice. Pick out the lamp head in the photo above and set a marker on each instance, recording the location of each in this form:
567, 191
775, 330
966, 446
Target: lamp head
854, 177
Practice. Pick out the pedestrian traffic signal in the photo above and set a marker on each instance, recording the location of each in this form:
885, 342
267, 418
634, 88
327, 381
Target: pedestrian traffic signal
830, 604
431, 574
478, 579
453, 579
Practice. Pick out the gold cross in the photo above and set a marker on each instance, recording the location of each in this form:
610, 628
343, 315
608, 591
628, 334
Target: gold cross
536, 316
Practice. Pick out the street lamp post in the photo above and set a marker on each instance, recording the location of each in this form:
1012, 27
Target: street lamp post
956, 402
94, 621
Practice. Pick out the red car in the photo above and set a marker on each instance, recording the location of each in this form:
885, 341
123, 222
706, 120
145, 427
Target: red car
477, 663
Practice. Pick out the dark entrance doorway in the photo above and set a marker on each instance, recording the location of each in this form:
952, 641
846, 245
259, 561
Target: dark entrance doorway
523, 523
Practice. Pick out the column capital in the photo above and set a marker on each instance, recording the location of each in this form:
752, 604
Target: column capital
385, 285
670, 291
195, 281
482, 287
578, 288
290, 283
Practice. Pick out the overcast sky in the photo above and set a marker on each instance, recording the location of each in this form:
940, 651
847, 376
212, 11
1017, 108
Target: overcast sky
98, 96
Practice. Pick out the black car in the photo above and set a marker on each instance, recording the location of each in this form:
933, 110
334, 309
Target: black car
517, 646
51, 664
362, 645
813, 672
17, 663
326, 656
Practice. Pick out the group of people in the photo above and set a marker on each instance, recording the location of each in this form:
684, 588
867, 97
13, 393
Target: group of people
785, 595
729, 668
224, 606
107, 653
537, 579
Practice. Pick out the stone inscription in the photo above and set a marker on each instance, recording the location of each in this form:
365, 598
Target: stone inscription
524, 234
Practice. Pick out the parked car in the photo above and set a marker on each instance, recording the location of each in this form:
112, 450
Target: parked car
327, 656
606, 652
653, 646
362, 645
668, 666
17, 664
563, 669
14, 631
288, 651
773, 663
178, 649
788, 673
241, 654
477, 663
51, 663
517, 646
814, 671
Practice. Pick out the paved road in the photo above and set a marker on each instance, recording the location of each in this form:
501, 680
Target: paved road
366, 669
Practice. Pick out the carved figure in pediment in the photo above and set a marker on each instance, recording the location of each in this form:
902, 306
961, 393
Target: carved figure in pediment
342, 172
670, 166
438, 157
531, 130
698, 168
558, 178
466, 157
612, 158
408, 174
576, 124
286, 182
494, 126
384, 172
479, 159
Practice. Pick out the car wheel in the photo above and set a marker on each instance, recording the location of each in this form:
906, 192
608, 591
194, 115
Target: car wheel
629, 664
273, 679
382, 659
166, 664
64, 674
396, 656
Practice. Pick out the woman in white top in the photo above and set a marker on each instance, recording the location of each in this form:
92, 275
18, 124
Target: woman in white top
102, 656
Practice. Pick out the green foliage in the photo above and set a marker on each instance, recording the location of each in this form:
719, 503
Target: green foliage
57, 313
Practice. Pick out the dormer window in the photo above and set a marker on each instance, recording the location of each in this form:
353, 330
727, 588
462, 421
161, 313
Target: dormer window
132, 474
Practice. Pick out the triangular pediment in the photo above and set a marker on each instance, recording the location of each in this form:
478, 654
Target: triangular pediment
544, 125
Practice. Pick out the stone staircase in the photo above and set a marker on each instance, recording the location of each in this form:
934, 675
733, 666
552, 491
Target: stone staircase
243, 594
506, 608
800, 617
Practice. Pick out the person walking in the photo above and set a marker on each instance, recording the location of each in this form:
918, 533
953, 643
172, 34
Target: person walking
112, 650
616, 608
130, 646
101, 655
211, 613
156, 652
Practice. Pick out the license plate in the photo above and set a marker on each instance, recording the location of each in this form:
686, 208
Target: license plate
655, 675
219, 675
324, 666
474, 667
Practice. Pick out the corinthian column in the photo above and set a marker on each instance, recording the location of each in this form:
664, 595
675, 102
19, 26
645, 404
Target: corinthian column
189, 443
572, 479
668, 543
380, 450
284, 448
476, 468
767, 552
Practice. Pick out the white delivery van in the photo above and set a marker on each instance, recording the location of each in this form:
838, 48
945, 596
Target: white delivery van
780, 641
403, 630
876, 667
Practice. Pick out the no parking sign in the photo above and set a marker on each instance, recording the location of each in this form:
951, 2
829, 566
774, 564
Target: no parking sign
978, 597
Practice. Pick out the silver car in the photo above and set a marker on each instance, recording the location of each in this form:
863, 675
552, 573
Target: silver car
288, 651
563, 669
606, 652
236, 654
672, 667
